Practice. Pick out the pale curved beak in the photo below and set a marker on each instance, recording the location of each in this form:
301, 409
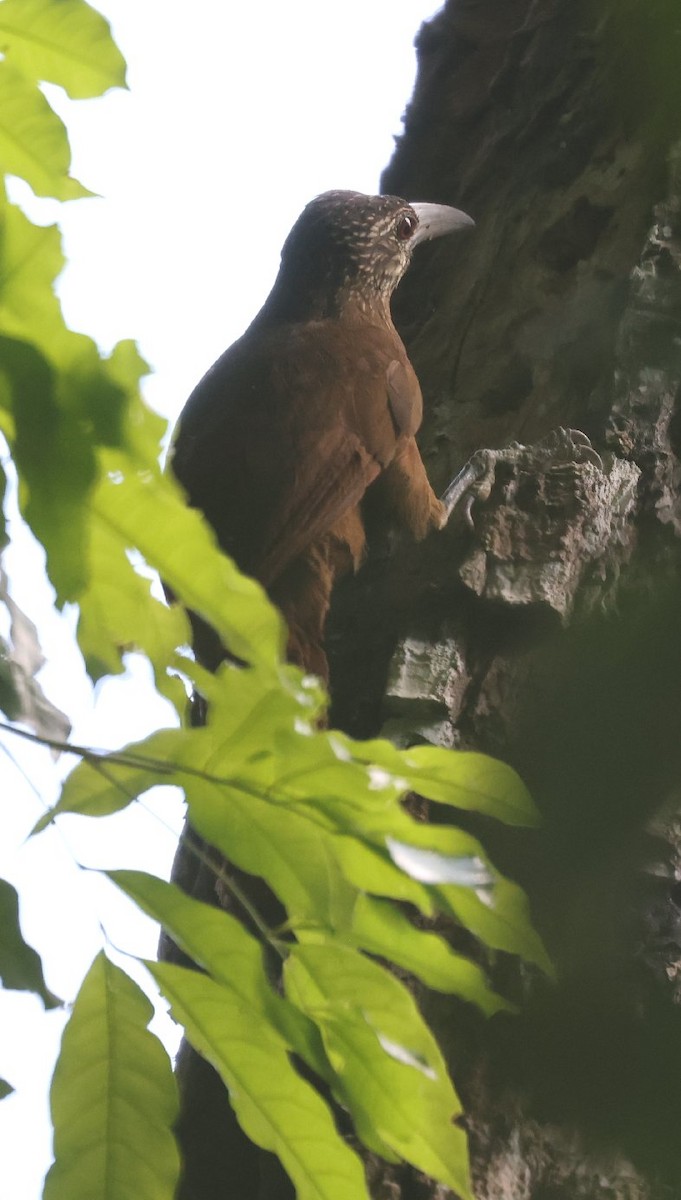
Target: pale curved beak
435, 220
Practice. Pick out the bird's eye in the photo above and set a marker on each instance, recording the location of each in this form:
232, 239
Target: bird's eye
406, 226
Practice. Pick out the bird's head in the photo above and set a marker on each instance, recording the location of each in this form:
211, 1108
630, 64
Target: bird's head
348, 246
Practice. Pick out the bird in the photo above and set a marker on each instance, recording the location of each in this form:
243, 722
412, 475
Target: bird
312, 411
303, 421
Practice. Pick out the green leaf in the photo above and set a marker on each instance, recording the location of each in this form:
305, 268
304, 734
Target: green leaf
500, 917
474, 782
145, 427
461, 778
214, 939
218, 943
55, 460
30, 261
369, 869
113, 1098
147, 511
277, 1109
341, 783
384, 929
295, 856
64, 42
33, 140
119, 612
95, 389
20, 965
245, 708
391, 1074
59, 405
104, 784
6, 1089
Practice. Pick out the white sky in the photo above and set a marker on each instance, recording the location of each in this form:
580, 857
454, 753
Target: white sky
233, 121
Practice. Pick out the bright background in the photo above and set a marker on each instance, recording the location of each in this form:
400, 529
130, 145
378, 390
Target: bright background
235, 118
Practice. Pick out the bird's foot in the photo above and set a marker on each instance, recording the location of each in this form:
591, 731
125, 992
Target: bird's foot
476, 479
569, 446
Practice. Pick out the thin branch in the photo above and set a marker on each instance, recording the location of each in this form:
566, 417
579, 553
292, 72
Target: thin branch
161, 766
218, 870
24, 774
86, 752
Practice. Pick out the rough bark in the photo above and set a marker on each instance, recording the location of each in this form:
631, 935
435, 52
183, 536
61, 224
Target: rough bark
549, 634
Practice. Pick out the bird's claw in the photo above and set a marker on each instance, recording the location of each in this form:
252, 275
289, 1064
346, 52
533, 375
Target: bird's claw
466, 485
476, 479
570, 445
468, 503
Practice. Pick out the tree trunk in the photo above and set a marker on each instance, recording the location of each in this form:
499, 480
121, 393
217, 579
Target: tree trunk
549, 633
